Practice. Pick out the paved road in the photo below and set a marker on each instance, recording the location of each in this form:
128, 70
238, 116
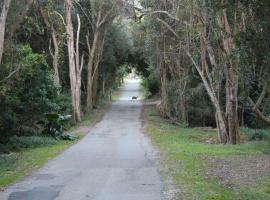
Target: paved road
113, 162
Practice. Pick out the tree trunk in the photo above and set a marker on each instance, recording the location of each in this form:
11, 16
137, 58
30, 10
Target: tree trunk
182, 109
163, 106
220, 118
232, 109
55, 52
74, 67
55, 57
3, 18
260, 115
95, 87
90, 70
231, 75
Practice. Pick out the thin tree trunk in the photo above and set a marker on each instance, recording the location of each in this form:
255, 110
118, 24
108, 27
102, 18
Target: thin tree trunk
55, 52
90, 70
55, 59
3, 18
95, 87
220, 118
162, 107
256, 105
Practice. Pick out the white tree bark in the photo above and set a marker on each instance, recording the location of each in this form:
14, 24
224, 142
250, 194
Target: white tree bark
3, 18
75, 68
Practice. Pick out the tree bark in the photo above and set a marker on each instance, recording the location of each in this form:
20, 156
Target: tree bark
231, 74
104, 19
162, 108
75, 68
90, 70
3, 18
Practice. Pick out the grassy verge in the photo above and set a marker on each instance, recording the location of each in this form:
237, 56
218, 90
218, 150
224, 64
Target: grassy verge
16, 165
209, 171
31, 152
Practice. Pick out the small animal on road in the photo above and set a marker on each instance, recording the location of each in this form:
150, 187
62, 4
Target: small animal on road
135, 97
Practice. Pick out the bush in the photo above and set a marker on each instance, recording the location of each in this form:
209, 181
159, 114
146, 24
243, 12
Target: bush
151, 85
55, 125
28, 94
16, 143
256, 134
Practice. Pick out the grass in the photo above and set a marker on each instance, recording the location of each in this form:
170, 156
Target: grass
21, 156
17, 165
185, 155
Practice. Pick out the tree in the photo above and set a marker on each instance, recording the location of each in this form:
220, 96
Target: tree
102, 16
75, 65
48, 16
209, 34
3, 18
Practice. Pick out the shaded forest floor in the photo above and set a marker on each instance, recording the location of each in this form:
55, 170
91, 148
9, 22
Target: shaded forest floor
194, 169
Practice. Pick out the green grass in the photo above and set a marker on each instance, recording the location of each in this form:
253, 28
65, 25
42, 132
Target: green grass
16, 165
184, 150
23, 155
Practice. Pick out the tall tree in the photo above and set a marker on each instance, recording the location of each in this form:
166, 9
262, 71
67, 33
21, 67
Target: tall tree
102, 16
55, 40
75, 66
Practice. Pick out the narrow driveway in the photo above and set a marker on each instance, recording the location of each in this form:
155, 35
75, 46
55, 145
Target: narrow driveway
113, 162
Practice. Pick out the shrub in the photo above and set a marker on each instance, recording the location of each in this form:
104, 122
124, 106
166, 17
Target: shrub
16, 143
256, 134
151, 84
28, 94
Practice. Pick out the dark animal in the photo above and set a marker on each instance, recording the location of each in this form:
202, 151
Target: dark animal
135, 97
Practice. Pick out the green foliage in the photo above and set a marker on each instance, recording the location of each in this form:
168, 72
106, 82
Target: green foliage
256, 134
151, 83
16, 143
114, 65
29, 93
54, 124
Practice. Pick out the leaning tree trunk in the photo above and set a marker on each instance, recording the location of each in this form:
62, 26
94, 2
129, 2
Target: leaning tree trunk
256, 106
3, 18
212, 93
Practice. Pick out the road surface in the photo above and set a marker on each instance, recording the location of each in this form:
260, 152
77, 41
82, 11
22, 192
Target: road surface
113, 162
